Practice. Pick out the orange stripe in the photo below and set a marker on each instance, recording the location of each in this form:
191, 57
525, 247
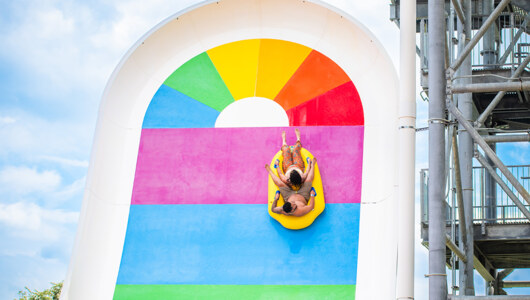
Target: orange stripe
317, 75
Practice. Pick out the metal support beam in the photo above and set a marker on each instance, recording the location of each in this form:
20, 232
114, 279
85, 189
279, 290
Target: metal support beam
487, 150
510, 138
513, 284
490, 192
503, 185
451, 245
497, 284
483, 268
515, 39
488, 42
459, 195
476, 38
501, 94
459, 12
520, 86
465, 153
437, 275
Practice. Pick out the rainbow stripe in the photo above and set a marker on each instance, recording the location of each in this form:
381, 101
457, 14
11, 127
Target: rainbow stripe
198, 224
313, 90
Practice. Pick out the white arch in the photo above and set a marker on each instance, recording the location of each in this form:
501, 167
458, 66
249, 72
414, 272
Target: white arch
98, 247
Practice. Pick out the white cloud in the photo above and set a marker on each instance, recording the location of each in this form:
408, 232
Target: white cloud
36, 244
7, 120
34, 222
24, 180
33, 136
66, 161
69, 192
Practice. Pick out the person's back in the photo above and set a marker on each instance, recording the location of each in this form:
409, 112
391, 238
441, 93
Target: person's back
299, 205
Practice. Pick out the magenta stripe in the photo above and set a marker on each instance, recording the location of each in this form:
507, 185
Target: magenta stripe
226, 165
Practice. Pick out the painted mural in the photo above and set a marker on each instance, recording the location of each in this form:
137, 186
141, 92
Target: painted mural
198, 224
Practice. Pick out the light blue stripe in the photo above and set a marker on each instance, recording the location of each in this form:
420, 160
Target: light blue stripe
237, 244
170, 108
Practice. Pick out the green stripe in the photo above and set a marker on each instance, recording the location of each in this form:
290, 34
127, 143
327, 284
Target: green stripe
198, 78
133, 292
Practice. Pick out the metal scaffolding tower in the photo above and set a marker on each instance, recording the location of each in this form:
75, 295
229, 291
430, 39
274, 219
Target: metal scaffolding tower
473, 57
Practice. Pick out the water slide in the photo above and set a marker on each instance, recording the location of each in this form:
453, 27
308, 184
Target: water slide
176, 199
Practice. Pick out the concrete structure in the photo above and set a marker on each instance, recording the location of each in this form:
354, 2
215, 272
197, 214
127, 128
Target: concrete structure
176, 198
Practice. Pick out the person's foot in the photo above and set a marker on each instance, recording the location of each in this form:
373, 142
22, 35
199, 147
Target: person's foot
284, 142
297, 131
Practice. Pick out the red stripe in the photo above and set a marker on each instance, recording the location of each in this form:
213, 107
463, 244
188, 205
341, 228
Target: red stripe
339, 106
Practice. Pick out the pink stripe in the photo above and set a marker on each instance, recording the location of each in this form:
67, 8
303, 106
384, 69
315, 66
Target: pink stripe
226, 165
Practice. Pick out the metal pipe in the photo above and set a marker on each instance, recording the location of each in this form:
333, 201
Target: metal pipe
436, 31
459, 196
498, 10
423, 59
451, 245
458, 10
465, 149
511, 138
520, 86
488, 42
407, 141
487, 150
512, 284
503, 185
512, 44
490, 193
501, 94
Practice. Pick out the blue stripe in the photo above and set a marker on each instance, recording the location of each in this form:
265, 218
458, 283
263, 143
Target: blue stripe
170, 108
237, 244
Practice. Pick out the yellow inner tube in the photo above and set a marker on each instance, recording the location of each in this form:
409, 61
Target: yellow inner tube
292, 222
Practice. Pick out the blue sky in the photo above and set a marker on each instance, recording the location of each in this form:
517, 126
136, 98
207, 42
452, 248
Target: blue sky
56, 57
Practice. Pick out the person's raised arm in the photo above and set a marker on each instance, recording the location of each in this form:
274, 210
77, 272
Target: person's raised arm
275, 178
312, 198
307, 169
275, 209
311, 172
282, 176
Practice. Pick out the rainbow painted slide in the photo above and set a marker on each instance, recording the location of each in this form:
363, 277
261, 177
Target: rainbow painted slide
198, 224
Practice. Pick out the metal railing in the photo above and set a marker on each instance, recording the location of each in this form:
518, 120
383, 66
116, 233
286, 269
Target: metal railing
503, 210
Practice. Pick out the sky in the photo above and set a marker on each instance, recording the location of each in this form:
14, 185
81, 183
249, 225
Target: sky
55, 59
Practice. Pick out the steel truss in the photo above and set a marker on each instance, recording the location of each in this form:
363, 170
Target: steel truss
450, 92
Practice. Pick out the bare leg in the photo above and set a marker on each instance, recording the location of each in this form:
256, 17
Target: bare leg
286, 154
297, 132
297, 156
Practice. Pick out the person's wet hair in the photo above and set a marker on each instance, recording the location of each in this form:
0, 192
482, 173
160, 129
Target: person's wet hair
287, 207
295, 178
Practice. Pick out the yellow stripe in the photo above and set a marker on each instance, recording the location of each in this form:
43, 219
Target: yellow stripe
237, 63
278, 61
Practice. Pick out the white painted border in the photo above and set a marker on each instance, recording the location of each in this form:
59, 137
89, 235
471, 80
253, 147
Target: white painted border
97, 251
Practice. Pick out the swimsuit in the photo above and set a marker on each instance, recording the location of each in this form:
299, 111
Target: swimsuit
305, 191
292, 157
